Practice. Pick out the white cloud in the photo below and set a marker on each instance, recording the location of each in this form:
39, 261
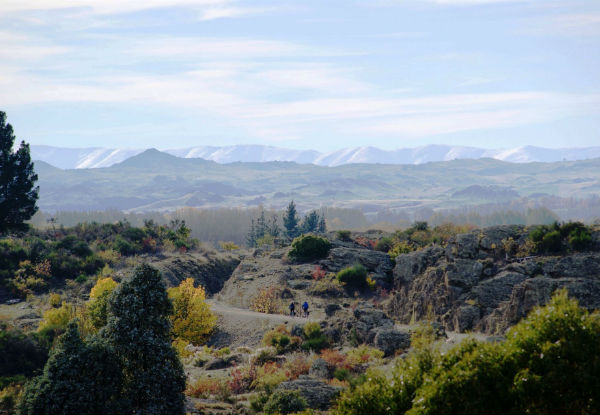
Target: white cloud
102, 6
213, 13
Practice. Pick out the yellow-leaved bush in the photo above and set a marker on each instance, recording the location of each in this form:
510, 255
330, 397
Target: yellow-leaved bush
96, 308
193, 320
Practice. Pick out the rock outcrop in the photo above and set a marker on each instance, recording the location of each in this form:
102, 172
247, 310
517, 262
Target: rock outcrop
470, 286
318, 394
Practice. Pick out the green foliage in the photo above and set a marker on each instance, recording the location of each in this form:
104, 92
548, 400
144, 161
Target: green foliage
78, 379
138, 330
18, 195
344, 235
309, 247
21, 354
354, 277
552, 238
281, 338
385, 244
549, 364
290, 220
313, 338
97, 306
285, 402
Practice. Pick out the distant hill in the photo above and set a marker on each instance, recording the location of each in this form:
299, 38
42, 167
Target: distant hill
77, 158
157, 181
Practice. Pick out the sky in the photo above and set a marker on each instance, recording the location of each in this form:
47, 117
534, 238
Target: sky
304, 74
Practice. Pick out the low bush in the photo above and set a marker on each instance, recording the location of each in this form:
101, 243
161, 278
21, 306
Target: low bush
281, 338
344, 235
353, 278
327, 286
384, 244
313, 338
309, 247
267, 301
285, 402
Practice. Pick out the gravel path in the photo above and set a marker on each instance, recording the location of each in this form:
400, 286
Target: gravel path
241, 327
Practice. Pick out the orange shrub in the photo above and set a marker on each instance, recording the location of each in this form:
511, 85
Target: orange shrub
318, 273
335, 359
297, 365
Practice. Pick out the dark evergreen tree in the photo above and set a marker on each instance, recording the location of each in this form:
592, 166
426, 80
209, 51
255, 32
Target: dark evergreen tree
322, 227
78, 379
251, 238
18, 195
261, 225
290, 220
138, 329
310, 223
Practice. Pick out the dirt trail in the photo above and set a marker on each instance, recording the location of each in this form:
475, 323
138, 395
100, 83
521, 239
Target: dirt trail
241, 327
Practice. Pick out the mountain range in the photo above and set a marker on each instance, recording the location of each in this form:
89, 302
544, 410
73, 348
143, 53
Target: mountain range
158, 181
95, 157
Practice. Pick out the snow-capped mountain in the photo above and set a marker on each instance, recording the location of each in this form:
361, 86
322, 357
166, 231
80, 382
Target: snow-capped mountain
77, 158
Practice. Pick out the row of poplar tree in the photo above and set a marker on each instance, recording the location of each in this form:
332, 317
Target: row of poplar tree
262, 229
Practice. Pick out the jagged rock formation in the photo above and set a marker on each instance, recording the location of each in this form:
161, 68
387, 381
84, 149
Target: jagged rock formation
469, 286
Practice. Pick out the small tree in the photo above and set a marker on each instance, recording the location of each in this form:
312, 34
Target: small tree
138, 329
97, 305
78, 379
192, 319
18, 195
310, 223
290, 220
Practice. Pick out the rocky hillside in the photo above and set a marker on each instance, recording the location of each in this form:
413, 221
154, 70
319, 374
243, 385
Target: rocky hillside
467, 285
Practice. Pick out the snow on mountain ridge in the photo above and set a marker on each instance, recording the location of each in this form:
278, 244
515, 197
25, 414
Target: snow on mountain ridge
94, 157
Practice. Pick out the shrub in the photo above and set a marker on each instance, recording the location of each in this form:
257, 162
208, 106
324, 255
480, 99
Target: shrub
96, 307
309, 247
400, 248
281, 338
384, 244
20, 354
579, 239
54, 300
203, 388
57, 317
362, 355
285, 402
354, 277
269, 376
334, 359
192, 319
267, 301
344, 235
551, 242
313, 338
328, 286
263, 355
318, 273
297, 365
229, 246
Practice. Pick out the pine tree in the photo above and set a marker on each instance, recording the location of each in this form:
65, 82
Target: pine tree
290, 220
310, 223
18, 195
322, 228
78, 379
251, 237
138, 330
261, 225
